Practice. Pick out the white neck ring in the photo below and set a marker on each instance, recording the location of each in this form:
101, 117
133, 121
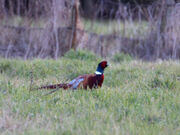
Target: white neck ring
98, 73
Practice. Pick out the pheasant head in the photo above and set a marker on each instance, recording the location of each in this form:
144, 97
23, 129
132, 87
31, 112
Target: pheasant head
101, 66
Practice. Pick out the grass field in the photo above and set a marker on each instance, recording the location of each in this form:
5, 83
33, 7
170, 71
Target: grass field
137, 98
127, 28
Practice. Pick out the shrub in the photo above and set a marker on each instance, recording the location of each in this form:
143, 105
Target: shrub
81, 55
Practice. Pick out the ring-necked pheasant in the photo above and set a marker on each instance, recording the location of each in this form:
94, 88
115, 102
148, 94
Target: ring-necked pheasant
84, 81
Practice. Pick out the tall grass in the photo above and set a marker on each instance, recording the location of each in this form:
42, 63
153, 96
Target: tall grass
136, 98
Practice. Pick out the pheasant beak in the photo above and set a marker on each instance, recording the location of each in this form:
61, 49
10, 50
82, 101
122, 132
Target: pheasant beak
107, 65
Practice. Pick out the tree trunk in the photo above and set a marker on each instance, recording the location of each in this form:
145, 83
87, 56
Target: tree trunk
168, 6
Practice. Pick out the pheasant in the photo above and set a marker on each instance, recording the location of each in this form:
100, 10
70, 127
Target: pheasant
83, 81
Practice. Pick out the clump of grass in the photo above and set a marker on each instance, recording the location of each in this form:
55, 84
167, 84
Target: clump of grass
81, 55
121, 57
164, 81
4, 66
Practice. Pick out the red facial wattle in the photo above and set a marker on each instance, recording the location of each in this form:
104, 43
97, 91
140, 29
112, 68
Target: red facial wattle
104, 64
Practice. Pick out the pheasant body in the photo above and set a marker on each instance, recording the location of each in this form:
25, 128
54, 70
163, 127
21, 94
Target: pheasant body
83, 81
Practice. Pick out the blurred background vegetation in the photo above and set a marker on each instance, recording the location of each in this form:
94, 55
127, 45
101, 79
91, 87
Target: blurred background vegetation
145, 29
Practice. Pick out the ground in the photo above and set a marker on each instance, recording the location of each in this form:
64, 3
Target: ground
136, 98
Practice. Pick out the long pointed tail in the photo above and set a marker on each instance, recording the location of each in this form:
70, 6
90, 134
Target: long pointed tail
55, 86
